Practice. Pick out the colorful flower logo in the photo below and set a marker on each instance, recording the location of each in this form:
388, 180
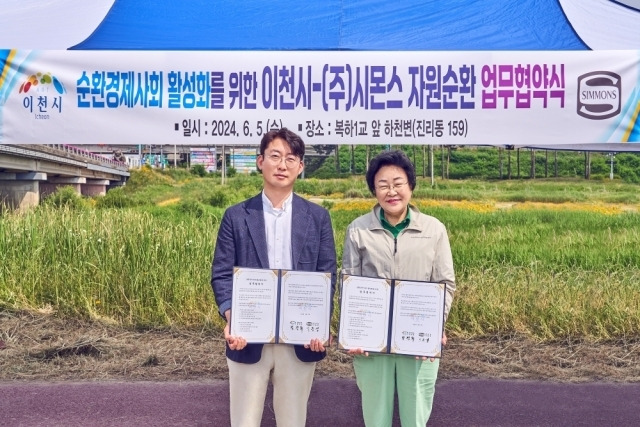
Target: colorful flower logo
42, 79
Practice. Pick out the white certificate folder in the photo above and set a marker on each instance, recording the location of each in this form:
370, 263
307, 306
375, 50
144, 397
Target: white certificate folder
280, 306
391, 316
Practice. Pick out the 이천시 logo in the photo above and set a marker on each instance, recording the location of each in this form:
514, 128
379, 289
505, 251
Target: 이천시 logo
41, 79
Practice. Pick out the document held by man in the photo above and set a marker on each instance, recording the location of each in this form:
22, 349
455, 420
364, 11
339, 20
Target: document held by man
280, 306
391, 316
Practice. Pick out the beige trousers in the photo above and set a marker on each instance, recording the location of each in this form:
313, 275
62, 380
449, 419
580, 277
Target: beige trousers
291, 381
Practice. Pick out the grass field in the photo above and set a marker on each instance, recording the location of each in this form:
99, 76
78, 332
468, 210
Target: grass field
540, 258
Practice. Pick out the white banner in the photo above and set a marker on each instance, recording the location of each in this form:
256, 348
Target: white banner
205, 157
244, 160
329, 97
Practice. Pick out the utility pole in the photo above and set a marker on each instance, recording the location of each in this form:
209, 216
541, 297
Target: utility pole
433, 182
587, 165
612, 157
352, 165
366, 166
224, 165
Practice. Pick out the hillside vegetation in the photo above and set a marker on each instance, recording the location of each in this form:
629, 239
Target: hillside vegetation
545, 258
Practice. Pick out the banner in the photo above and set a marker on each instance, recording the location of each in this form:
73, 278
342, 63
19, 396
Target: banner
328, 97
159, 161
244, 159
205, 157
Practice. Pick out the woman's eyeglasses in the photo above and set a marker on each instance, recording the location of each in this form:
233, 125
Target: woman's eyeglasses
395, 187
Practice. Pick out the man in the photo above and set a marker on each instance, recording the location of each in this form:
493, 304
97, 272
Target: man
276, 229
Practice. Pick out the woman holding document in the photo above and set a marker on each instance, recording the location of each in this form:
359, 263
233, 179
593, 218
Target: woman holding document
396, 241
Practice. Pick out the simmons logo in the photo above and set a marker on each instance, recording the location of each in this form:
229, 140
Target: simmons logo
599, 95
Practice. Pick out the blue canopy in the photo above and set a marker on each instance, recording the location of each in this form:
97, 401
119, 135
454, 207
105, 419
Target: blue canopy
398, 25
321, 24
335, 24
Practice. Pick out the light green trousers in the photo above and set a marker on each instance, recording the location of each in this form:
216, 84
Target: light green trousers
377, 377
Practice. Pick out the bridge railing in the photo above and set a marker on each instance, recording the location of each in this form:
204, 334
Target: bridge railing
76, 151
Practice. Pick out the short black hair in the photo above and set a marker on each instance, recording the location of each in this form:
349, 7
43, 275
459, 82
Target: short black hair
295, 143
390, 158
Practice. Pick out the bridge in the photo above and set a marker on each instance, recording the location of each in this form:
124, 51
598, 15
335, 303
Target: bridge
28, 173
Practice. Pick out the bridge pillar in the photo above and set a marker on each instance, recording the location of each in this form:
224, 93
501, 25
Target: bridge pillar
52, 184
95, 187
20, 191
116, 184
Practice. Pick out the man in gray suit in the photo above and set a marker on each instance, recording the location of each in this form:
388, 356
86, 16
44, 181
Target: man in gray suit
276, 229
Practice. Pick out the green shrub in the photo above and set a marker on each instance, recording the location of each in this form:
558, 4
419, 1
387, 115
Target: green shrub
355, 193
193, 208
327, 204
115, 198
198, 170
179, 174
66, 197
218, 199
147, 176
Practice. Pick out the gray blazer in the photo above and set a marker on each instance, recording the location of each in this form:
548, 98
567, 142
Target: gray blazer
242, 242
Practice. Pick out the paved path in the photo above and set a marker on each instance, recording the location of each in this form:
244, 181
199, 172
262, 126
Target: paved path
334, 402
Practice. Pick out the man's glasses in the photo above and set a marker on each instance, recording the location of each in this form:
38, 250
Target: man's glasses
395, 187
289, 161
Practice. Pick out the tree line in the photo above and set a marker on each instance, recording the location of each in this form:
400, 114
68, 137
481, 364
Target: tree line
478, 162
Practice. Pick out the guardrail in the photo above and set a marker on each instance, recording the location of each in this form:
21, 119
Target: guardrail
66, 154
76, 151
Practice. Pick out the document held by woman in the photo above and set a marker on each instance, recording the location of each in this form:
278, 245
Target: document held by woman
391, 316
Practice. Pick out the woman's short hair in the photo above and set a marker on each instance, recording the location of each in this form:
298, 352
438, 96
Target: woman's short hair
390, 158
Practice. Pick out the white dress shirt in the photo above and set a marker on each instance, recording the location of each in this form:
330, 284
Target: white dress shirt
278, 231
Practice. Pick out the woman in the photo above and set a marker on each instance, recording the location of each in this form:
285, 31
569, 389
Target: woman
396, 241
